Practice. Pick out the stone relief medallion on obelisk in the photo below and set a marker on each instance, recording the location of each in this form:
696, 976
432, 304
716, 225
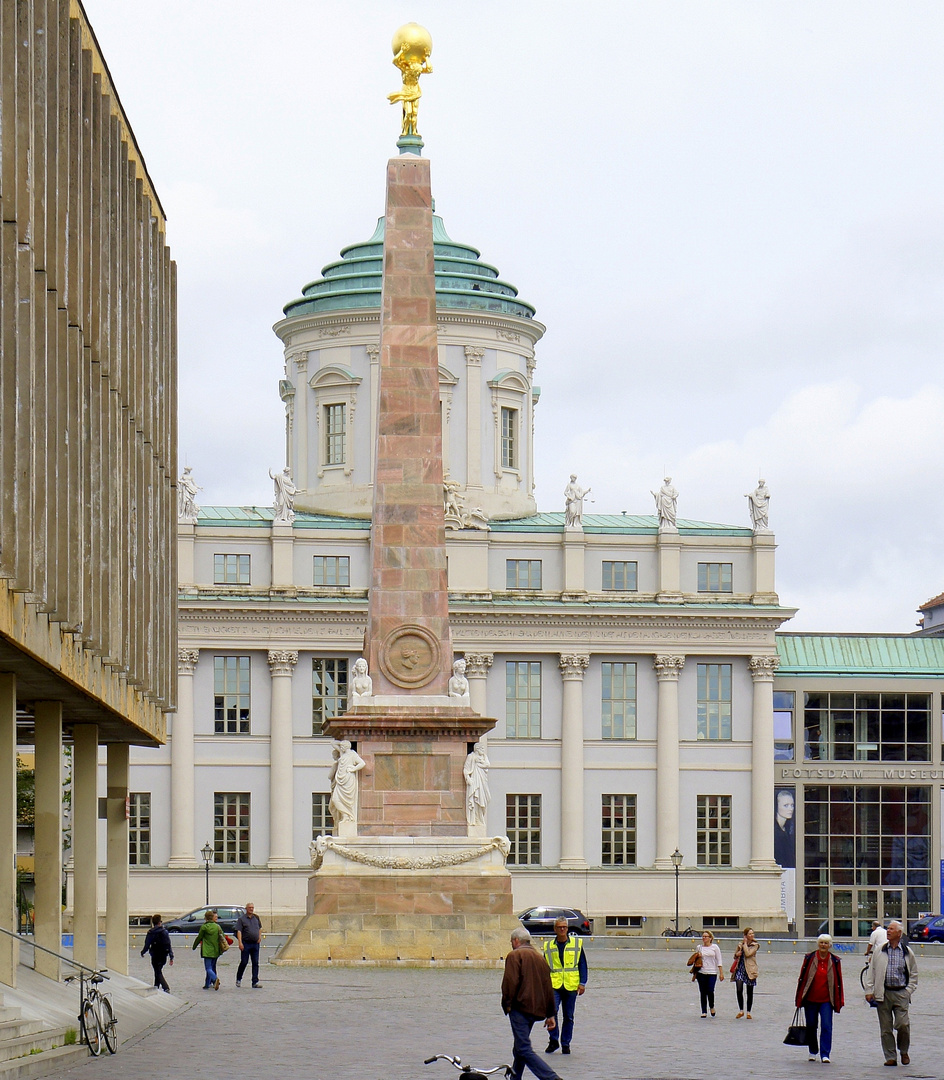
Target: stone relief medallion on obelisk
410, 656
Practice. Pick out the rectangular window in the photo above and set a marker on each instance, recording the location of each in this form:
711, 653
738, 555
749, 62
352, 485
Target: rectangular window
231, 695
322, 823
618, 707
619, 576
230, 569
328, 691
713, 833
509, 438
522, 699
852, 726
523, 573
714, 701
523, 826
784, 706
139, 828
231, 827
715, 577
619, 830
332, 570
334, 434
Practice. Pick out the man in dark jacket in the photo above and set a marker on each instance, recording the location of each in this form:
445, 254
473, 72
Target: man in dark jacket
527, 997
157, 943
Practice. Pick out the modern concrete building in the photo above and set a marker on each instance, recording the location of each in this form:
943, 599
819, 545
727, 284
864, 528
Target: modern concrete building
87, 466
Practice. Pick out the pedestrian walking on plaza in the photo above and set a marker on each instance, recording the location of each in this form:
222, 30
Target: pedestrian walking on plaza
745, 971
527, 998
709, 971
210, 941
819, 992
568, 963
157, 943
877, 938
890, 982
248, 936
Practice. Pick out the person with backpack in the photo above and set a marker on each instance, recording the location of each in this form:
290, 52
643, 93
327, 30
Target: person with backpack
157, 943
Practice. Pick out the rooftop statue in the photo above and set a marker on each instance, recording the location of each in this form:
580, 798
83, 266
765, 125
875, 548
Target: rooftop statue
285, 492
412, 45
759, 503
666, 504
574, 495
187, 489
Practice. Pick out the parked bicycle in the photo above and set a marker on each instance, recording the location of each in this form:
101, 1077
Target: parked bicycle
670, 931
97, 1019
468, 1071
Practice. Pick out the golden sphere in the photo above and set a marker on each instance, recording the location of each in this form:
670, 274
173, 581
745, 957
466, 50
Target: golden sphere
416, 40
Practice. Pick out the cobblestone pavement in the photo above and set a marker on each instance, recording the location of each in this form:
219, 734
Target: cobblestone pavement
639, 1020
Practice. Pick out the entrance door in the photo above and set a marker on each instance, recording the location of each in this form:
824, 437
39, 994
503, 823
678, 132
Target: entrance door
852, 910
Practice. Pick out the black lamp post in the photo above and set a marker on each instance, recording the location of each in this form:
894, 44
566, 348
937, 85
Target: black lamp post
676, 858
208, 856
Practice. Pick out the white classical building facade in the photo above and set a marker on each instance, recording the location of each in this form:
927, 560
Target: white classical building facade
629, 667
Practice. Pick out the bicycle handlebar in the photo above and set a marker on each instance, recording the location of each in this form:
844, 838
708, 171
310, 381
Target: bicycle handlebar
464, 1069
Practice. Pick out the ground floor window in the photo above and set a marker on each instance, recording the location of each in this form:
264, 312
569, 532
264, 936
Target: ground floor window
713, 832
139, 828
867, 855
619, 830
231, 827
523, 825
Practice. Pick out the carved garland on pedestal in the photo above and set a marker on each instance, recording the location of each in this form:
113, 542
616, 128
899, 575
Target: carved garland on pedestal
321, 844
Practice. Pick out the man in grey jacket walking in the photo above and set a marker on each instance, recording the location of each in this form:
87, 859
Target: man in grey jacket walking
890, 982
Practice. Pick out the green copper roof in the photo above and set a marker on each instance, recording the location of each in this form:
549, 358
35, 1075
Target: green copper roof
615, 523
463, 282
860, 654
260, 517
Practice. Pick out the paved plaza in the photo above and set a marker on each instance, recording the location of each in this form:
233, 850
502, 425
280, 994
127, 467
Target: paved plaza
639, 1019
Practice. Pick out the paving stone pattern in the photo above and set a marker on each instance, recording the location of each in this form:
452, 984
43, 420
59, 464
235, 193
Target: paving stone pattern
639, 1019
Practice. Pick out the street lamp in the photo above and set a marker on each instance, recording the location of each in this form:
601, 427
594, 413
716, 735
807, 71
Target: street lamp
676, 858
208, 856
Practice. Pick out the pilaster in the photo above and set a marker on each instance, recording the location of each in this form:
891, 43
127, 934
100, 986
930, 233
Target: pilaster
667, 668
574, 563
764, 545
669, 545
283, 570
281, 782
9, 947
186, 538
763, 669
182, 850
473, 414
572, 668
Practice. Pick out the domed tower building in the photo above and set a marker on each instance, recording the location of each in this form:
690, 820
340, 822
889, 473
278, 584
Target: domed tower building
487, 338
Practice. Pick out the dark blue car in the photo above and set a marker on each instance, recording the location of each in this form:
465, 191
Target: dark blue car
928, 929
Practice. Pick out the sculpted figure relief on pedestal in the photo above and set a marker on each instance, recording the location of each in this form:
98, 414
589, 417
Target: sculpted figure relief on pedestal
759, 503
666, 502
574, 495
285, 491
187, 489
459, 684
363, 684
343, 777
477, 794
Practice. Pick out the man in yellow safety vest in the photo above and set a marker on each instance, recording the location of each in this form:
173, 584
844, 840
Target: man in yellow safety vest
568, 963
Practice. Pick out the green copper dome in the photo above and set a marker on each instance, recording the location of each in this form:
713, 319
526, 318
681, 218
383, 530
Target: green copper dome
463, 283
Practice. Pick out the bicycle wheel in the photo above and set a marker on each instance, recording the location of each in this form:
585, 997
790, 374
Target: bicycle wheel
91, 1028
109, 1026
862, 976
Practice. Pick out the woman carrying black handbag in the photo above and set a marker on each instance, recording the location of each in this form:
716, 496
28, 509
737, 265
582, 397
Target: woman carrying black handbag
819, 992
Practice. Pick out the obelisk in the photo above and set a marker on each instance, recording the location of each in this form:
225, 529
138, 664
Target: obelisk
408, 873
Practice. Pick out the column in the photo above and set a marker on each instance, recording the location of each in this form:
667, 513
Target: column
181, 765
9, 948
85, 843
572, 838
763, 669
476, 671
116, 860
281, 760
667, 758
473, 417
47, 837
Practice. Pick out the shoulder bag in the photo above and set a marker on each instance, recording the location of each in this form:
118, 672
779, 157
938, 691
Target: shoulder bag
796, 1032
224, 944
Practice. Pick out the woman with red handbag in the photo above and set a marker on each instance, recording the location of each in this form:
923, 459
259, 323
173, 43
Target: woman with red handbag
744, 970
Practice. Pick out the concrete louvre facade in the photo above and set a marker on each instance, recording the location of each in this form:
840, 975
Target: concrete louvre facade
88, 437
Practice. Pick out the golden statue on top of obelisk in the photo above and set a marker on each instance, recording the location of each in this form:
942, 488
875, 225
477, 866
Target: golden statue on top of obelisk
412, 45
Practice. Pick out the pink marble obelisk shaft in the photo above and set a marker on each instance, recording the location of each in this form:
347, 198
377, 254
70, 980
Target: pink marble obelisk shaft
409, 647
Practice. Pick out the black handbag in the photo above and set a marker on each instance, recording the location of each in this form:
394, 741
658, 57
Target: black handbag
796, 1032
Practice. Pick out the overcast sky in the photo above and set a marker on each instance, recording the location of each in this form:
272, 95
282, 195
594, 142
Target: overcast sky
728, 215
